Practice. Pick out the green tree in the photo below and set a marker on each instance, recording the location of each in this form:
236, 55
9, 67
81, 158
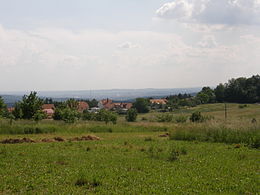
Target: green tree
3, 108
69, 115
17, 112
72, 104
141, 105
220, 93
131, 115
58, 114
39, 115
30, 105
106, 116
88, 116
206, 95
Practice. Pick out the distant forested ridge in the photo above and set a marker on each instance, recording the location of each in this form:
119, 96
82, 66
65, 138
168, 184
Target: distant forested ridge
240, 90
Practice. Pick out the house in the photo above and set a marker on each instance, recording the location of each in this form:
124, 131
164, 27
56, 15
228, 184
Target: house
158, 101
48, 109
48, 106
83, 106
49, 113
110, 105
11, 109
106, 104
123, 105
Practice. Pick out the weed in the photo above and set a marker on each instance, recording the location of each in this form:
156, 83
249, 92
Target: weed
173, 155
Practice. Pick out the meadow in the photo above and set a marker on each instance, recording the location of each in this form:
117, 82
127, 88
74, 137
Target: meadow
218, 156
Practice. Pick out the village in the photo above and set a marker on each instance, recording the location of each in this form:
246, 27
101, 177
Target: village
106, 104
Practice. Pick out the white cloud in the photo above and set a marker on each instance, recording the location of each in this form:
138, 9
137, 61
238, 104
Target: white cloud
51, 59
228, 12
208, 41
178, 9
127, 45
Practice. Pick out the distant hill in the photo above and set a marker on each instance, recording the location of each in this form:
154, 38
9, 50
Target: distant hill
11, 99
116, 94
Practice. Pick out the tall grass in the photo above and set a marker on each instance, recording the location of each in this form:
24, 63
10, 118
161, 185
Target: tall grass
30, 127
248, 135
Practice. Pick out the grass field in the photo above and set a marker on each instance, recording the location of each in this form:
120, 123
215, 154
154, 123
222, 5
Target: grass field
131, 158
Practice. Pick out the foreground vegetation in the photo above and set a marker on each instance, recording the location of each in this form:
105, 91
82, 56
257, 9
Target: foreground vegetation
213, 156
128, 163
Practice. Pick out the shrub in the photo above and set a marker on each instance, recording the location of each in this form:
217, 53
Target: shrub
173, 155
106, 116
241, 106
88, 115
131, 115
69, 115
196, 117
164, 118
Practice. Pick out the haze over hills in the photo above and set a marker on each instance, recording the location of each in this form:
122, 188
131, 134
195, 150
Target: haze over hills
115, 94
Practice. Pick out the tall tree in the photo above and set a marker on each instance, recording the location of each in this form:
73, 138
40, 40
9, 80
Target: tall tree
141, 105
30, 105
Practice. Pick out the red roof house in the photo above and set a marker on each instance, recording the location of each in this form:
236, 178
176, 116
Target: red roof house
83, 106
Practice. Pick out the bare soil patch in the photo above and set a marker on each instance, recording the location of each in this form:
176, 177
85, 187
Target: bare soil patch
48, 140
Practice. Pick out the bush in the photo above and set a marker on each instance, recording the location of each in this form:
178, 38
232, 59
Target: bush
164, 118
196, 117
131, 115
106, 116
88, 116
241, 106
69, 115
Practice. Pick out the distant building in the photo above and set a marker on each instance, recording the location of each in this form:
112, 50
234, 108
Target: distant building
83, 106
11, 109
123, 105
158, 101
48, 109
48, 106
106, 104
110, 105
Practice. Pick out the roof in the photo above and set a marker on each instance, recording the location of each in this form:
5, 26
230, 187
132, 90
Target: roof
83, 106
158, 101
48, 106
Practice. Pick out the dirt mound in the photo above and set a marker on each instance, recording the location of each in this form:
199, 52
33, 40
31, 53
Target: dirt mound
165, 135
17, 141
85, 138
90, 137
47, 140
59, 139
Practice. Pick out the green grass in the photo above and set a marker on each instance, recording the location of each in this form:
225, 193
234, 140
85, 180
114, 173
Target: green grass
221, 133
131, 158
127, 164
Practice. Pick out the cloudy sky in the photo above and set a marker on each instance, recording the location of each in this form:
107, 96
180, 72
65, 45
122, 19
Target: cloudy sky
104, 44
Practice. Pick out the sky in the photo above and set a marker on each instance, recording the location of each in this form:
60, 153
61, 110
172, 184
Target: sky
49, 45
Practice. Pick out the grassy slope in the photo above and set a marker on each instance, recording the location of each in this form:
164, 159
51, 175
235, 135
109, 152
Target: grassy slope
124, 163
